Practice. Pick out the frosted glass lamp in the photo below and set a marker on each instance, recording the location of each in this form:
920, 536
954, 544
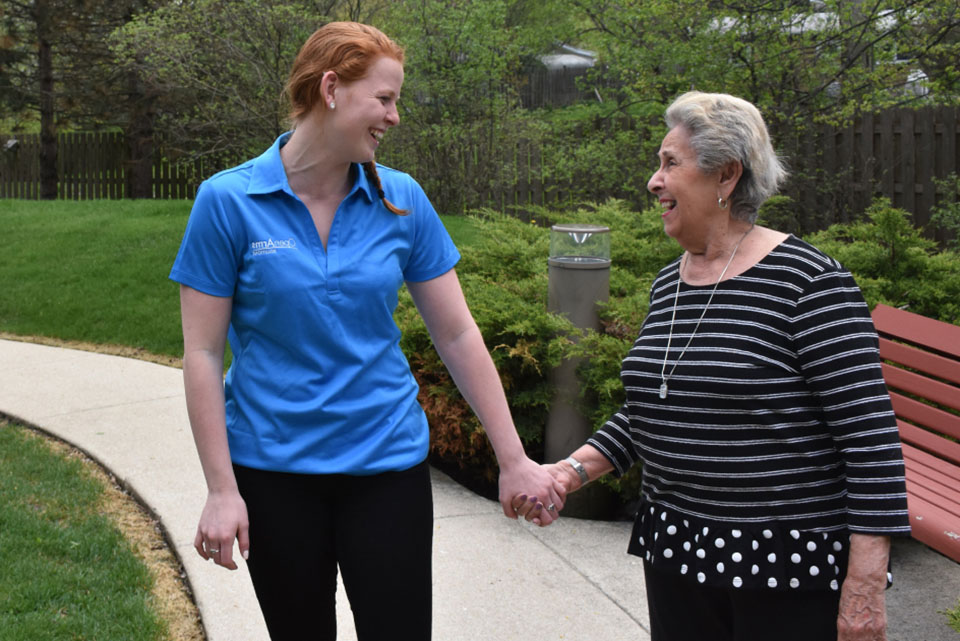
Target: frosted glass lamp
580, 246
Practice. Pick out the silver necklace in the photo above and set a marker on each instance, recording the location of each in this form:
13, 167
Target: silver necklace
664, 377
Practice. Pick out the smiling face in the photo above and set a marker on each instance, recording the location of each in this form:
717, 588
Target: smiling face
366, 108
687, 194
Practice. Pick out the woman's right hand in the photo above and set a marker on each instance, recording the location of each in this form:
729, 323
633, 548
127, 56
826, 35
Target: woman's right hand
224, 519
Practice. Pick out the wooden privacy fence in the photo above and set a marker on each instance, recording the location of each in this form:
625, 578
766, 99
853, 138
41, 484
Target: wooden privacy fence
835, 171
89, 166
93, 165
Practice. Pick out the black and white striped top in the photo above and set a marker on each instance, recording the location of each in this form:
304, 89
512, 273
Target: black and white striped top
776, 438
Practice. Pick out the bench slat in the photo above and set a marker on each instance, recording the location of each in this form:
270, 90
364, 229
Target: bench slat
933, 526
913, 456
927, 362
913, 383
917, 329
927, 483
931, 476
922, 414
935, 444
931, 497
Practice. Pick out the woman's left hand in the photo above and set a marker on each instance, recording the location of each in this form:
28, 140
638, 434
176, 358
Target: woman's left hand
527, 478
863, 612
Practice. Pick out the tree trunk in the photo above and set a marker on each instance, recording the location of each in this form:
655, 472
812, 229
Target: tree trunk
140, 141
48, 125
139, 166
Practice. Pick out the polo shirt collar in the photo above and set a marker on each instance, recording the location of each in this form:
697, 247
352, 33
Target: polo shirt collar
268, 176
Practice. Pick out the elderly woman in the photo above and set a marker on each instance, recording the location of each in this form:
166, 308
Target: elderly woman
772, 471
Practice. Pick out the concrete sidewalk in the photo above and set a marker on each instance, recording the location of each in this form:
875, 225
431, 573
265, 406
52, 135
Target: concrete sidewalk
493, 578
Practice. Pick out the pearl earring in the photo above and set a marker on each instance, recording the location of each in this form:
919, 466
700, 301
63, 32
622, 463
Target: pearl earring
333, 105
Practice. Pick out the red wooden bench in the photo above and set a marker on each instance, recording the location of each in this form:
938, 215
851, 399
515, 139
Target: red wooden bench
921, 366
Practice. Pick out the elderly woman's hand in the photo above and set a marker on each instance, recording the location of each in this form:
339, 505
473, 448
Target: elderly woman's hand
863, 614
532, 509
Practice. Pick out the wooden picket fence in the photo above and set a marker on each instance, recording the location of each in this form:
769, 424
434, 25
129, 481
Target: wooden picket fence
835, 171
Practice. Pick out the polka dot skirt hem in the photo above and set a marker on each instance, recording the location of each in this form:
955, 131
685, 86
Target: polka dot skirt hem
752, 556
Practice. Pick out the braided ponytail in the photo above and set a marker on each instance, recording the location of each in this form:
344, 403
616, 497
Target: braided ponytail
370, 169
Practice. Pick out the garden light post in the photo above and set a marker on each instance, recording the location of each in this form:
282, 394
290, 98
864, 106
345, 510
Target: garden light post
579, 278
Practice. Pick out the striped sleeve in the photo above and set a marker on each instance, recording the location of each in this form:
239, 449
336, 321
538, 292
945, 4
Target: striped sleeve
838, 353
614, 442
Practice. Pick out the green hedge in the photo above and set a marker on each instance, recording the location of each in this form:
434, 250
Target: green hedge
504, 277
895, 264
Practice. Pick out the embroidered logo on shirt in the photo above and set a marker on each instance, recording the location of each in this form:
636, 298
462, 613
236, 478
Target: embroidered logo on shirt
270, 246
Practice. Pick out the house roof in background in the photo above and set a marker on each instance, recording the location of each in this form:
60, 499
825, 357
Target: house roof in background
565, 56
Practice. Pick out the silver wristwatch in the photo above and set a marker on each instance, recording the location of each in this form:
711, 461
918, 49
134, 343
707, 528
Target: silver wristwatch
578, 468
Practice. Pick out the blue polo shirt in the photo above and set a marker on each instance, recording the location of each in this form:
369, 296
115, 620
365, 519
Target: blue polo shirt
318, 382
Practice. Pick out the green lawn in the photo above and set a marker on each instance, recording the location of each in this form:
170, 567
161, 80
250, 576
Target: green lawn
96, 271
67, 572
92, 271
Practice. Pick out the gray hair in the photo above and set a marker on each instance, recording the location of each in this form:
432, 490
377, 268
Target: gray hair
723, 129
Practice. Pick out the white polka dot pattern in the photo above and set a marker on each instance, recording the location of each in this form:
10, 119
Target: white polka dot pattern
779, 558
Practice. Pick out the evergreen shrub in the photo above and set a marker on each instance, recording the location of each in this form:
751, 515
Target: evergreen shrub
504, 277
894, 263
946, 214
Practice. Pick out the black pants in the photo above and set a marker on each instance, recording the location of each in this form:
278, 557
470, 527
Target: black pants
682, 610
378, 529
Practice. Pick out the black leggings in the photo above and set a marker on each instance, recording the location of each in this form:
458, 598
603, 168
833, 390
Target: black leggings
378, 529
682, 610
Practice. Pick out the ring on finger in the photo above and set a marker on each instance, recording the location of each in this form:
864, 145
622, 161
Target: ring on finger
551, 508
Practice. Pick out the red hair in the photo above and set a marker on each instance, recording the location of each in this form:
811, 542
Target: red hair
348, 49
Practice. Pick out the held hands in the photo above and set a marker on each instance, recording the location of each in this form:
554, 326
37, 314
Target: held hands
536, 485
533, 509
224, 519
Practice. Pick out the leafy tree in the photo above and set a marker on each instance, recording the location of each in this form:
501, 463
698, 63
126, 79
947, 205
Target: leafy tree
28, 34
932, 39
54, 63
218, 67
797, 61
460, 114
12, 59
800, 62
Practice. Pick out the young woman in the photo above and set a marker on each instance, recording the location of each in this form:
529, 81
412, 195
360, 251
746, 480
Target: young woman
314, 448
